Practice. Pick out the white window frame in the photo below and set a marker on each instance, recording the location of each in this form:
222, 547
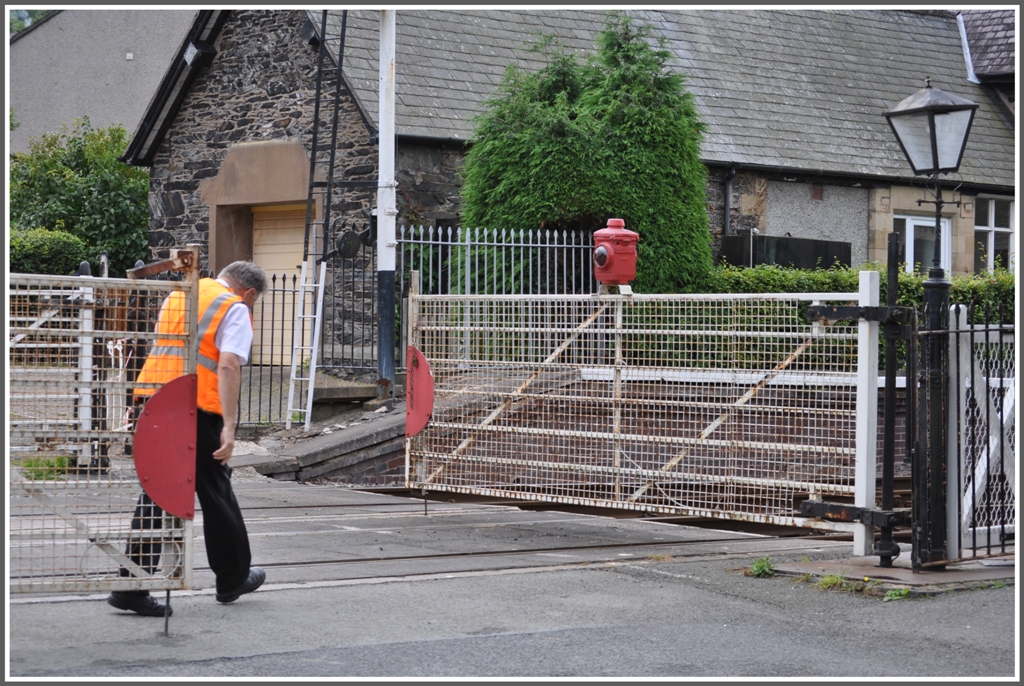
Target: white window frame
992, 229
945, 253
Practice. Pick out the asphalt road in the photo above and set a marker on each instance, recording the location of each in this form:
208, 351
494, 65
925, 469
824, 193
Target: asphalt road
649, 617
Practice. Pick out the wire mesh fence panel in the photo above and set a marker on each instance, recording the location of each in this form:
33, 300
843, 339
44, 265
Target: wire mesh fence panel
720, 406
983, 430
75, 349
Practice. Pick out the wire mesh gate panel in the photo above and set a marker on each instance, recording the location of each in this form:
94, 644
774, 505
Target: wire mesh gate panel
75, 347
982, 434
719, 406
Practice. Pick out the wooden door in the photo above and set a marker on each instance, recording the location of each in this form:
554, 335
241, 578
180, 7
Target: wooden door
277, 236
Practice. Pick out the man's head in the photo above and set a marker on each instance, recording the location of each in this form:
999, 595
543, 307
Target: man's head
246, 279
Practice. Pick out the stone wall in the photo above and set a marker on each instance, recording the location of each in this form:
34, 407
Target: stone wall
748, 203
261, 86
428, 185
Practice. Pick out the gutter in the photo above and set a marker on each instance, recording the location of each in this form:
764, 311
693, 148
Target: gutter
439, 141
860, 180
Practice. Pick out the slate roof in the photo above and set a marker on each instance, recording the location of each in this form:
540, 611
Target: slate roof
779, 89
992, 37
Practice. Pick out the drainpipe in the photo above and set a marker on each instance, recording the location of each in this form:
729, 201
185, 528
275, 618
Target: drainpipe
386, 212
726, 227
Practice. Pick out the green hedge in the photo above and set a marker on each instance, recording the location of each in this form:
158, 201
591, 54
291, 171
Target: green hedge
41, 251
993, 290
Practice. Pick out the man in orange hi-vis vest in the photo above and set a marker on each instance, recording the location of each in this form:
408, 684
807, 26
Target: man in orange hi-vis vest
225, 338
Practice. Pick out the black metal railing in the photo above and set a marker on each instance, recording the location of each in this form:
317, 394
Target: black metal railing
448, 260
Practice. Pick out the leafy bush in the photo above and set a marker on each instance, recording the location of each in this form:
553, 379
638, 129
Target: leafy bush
41, 251
994, 289
572, 145
74, 182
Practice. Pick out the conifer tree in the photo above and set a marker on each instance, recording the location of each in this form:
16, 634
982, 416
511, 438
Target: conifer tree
574, 144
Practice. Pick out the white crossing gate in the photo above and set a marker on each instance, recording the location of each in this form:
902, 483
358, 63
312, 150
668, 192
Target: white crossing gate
75, 347
724, 406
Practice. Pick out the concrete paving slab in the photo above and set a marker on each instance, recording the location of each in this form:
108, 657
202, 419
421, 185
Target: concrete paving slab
1001, 569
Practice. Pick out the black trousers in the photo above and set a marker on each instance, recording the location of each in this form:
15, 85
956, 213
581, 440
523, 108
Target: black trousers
227, 541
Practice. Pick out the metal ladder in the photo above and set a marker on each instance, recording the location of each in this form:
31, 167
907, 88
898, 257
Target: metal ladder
323, 147
300, 374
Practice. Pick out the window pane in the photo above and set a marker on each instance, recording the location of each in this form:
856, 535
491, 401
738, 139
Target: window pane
1002, 214
981, 211
980, 251
1001, 254
924, 247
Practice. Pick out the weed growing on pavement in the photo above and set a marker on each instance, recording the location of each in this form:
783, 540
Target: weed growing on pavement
655, 557
833, 582
896, 594
762, 567
804, 578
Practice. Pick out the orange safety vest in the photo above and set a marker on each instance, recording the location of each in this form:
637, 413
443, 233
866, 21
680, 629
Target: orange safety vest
166, 361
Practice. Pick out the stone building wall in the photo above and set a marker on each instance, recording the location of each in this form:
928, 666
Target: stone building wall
748, 203
428, 185
260, 87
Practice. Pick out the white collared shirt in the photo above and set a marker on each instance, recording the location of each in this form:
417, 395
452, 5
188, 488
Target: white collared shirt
234, 335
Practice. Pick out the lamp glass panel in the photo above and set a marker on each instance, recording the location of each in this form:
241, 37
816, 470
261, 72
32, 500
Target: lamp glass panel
914, 133
950, 134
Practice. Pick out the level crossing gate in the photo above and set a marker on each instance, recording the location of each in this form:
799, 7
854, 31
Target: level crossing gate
723, 406
75, 347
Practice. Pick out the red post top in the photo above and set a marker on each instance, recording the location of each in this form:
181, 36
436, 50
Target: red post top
615, 254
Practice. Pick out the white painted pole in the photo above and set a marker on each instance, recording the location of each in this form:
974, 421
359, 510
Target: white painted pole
867, 413
956, 404
386, 210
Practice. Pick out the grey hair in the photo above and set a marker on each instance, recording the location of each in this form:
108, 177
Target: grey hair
245, 274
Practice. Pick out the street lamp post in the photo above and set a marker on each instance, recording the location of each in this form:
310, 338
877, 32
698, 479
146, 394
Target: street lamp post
931, 127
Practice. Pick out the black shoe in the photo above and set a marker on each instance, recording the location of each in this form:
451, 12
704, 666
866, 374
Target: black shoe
140, 603
256, 578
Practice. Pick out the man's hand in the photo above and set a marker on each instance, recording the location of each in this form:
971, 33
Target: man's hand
227, 444
229, 377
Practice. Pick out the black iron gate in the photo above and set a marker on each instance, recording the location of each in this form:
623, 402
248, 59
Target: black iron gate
964, 458
960, 429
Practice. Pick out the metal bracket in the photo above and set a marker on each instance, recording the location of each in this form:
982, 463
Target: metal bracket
840, 512
179, 261
884, 315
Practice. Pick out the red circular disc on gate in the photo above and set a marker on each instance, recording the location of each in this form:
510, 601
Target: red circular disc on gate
165, 446
419, 392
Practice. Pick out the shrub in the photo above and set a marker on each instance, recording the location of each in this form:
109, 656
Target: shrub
41, 251
994, 289
73, 181
572, 145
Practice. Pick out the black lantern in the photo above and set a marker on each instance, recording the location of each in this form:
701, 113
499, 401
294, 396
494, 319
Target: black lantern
931, 127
